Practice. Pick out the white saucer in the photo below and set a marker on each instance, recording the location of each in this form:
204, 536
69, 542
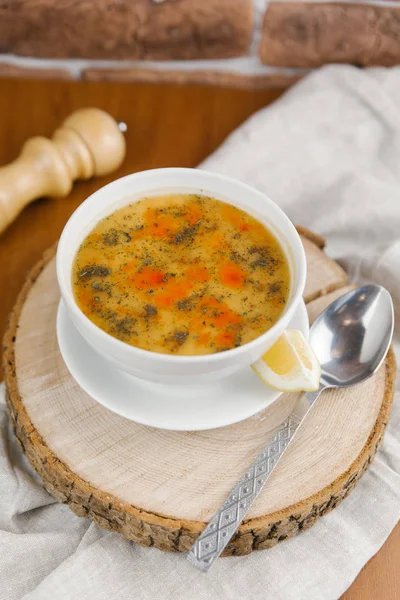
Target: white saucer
227, 401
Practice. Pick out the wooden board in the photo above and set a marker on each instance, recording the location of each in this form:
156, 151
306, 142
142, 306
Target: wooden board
159, 487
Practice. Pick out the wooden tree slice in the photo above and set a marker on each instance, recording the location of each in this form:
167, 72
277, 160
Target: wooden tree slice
160, 487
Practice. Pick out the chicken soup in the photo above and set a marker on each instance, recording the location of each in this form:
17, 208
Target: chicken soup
181, 274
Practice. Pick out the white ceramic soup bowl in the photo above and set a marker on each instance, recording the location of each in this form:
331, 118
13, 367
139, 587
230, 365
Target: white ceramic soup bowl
167, 368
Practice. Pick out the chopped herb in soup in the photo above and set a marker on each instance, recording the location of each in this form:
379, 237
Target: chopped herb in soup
181, 274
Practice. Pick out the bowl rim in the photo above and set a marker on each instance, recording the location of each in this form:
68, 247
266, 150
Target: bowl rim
294, 243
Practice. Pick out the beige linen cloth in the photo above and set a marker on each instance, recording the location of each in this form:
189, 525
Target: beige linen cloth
328, 153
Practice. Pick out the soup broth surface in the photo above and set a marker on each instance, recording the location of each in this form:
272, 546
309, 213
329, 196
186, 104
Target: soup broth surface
181, 274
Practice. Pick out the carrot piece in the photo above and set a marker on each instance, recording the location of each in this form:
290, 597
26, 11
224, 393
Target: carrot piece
162, 227
164, 300
193, 213
146, 279
218, 314
211, 302
86, 298
226, 317
203, 339
198, 274
174, 291
232, 275
225, 338
159, 225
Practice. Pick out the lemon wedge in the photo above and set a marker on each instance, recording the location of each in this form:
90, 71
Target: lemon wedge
290, 365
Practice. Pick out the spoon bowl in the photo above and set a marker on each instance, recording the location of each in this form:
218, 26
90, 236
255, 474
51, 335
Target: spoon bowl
352, 336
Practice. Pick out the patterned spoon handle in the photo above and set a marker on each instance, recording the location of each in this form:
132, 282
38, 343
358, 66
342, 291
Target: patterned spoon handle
225, 522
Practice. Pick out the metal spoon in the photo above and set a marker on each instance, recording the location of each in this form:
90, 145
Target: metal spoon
351, 339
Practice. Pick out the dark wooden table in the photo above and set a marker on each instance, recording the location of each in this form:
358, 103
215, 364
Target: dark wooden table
167, 126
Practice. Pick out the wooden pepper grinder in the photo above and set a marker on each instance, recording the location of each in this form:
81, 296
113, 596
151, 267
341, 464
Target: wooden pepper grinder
88, 143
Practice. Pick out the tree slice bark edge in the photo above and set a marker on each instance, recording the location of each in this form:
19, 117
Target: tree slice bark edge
151, 529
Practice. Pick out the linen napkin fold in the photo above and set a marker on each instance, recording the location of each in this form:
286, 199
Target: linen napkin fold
328, 153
